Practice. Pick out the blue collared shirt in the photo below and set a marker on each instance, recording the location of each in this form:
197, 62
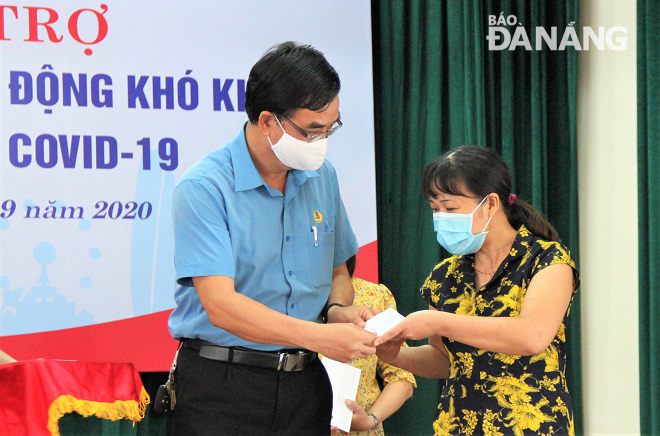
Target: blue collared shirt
229, 222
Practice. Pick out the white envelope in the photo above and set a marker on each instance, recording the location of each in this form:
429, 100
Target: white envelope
345, 380
384, 321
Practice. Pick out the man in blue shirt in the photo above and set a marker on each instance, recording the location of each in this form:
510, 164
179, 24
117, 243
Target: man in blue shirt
261, 241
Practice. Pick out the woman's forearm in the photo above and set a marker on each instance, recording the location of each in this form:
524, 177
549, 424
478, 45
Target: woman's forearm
514, 336
425, 361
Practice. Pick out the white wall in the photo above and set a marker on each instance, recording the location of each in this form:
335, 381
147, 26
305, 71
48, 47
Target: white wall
607, 177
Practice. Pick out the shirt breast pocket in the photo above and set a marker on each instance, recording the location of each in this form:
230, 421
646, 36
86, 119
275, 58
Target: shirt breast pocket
321, 257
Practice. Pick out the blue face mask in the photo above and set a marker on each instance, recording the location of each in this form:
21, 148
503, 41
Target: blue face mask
454, 232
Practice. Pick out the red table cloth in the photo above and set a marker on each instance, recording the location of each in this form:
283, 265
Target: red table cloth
35, 394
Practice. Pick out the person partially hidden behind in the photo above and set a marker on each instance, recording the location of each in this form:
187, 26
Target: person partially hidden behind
374, 406
261, 240
6, 358
499, 306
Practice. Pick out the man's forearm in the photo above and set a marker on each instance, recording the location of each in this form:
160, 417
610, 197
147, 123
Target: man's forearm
341, 290
249, 319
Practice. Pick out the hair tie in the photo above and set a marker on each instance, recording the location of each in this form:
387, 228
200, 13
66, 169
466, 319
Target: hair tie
512, 198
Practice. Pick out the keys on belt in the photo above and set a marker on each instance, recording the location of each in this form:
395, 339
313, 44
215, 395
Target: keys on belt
281, 361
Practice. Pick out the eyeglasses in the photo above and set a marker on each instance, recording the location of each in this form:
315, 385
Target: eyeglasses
315, 136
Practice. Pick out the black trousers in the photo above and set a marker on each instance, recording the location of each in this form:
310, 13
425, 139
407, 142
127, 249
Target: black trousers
218, 398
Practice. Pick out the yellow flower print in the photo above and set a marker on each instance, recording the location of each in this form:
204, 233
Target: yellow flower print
527, 416
481, 303
509, 390
446, 422
545, 245
442, 263
506, 358
549, 384
466, 302
527, 255
523, 231
433, 288
511, 300
453, 365
454, 262
560, 407
431, 284
519, 399
466, 362
561, 334
551, 357
471, 418
560, 254
489, 428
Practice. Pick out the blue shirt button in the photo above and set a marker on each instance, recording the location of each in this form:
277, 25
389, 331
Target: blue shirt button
290, 273
292, 305
288, 238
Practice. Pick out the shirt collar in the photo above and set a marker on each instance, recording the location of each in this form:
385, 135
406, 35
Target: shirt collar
520, 246
303, 175
246, 176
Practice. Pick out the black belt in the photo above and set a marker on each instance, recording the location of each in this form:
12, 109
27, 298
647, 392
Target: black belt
286, 360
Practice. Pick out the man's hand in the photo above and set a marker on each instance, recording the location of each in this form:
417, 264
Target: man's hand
354, 314
343, 342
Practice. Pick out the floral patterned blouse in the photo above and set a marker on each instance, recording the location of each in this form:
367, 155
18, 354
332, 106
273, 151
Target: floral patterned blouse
377, 297
494, 393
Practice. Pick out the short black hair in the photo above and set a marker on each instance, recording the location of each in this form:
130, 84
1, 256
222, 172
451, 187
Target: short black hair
288, 77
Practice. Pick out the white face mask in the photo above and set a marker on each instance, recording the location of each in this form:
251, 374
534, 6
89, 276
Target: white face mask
298, 154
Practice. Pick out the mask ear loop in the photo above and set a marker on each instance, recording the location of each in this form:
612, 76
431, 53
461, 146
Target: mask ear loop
478, 205
281, 127
487, 222
475, 209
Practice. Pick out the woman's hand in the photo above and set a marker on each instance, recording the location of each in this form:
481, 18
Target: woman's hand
418, 325
360, 421
389, 351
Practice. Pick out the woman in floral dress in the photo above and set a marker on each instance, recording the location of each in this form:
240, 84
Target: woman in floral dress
498, 308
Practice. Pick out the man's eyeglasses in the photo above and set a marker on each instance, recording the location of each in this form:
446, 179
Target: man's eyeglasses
313, 137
